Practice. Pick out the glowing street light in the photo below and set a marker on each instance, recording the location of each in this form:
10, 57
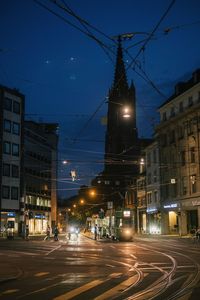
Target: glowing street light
92, 193
82, 201
126, 112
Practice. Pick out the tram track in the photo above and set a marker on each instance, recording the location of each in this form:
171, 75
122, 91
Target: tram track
161, 286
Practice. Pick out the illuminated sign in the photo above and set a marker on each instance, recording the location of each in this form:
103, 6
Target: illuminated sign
11, 214
38, 216
151, 210
127, 213
174, 205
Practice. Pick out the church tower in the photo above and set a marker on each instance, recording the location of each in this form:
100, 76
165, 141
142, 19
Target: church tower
121, 140
121, 134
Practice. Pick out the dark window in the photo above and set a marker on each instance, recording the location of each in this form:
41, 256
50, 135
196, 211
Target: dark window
15, 149
164, 116
192, 155
15, 171
6, 170
182, 158
149, 178
16, 128
5, 192
14, 193
180, 132
155, 176
181, 107
16, 107
154, 156
7, 125
6, 147
163, 140
190, 101
172, 136
8, 104
172, 112
184, 185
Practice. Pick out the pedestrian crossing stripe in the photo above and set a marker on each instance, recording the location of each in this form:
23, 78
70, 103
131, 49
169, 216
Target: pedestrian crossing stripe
108, 294
79, 290
118, 288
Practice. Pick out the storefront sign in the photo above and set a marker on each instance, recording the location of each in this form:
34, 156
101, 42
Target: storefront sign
151, 210
10, 214
195, 202
174, 205
38, 216
127, 213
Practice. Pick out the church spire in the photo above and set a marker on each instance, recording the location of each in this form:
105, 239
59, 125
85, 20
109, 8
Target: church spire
120, 80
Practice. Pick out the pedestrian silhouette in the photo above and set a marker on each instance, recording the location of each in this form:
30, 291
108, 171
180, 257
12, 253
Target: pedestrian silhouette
47, 237
56, 234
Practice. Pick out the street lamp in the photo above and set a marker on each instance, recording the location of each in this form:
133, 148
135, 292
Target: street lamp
126, 112
92, 193
82, 201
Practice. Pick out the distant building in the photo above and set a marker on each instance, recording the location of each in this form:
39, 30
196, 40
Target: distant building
39, 205
178, 135
11, 156
153, 188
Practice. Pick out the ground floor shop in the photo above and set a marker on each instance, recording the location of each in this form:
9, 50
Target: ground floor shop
38, 222
181, 217
9, 222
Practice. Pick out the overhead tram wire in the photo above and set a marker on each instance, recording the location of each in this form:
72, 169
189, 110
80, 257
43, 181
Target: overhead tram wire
85, 24
73, 25
152, 33
97, 40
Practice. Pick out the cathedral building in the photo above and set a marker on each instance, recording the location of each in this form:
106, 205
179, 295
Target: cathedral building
122, 145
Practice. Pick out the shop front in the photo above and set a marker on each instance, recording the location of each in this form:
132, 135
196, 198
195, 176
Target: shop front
154, 220
9, 223
38, 224
170, 218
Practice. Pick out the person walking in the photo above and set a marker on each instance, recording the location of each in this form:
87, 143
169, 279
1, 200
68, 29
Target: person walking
27, 233
95, 232
47, 237
56, 234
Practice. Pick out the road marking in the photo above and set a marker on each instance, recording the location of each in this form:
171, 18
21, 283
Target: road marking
41, 274
54, 249
83, 249
9, 292
115, 275
133, 256
118, 288
79, 290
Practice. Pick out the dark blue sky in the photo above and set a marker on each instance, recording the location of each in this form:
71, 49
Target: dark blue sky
65, 75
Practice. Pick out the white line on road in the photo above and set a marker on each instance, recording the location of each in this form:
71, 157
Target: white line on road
79, 290
52, 250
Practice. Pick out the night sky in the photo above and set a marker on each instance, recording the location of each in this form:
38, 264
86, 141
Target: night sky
65, 72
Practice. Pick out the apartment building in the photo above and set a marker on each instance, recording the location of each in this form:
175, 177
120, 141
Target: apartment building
153, 188
39, 206
178, 136
11, 156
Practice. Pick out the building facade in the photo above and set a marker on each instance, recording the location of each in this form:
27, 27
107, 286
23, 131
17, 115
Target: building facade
11, 156
153, 189
178, 136
39, 202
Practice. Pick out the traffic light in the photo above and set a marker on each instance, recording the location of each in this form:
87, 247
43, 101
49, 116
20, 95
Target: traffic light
30, 215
